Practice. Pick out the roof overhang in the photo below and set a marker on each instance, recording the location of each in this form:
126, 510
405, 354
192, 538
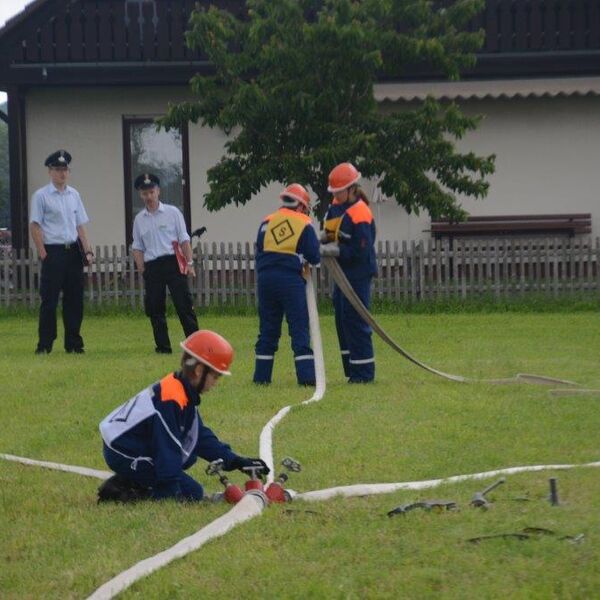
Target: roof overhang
484, 89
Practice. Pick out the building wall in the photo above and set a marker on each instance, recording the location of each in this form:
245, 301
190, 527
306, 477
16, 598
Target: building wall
547, 161
547, 153
88, 123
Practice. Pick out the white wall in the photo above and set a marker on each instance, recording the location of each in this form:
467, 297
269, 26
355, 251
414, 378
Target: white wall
547, 159
88, 123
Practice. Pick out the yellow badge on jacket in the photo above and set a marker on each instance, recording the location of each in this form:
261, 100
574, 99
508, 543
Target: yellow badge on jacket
283, 231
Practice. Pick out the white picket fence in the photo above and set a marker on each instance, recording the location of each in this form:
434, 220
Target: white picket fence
407, 271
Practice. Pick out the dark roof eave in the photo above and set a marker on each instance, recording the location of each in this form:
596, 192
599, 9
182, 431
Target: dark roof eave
489, 66
126, 73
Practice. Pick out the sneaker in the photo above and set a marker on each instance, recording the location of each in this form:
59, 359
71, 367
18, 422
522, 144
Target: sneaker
74, 350
42, 350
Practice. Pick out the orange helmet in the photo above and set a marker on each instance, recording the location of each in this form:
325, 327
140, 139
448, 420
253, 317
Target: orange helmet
210, 349
342, 177
297, 192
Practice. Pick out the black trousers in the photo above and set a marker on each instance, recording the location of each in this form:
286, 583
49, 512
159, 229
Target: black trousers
159, 274
62, 271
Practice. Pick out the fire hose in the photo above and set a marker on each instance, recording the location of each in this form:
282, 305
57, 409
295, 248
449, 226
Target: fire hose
254, 501
251, 505
340, 279
266, 435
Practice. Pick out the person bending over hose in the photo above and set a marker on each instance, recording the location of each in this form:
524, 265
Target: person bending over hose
150, 440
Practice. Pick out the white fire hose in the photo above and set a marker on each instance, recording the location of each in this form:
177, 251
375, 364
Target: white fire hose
58, 466
266, 435
251, 505
340, 279
368, 489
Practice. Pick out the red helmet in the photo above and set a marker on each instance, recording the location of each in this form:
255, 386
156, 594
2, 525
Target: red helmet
297, 192
342, 177
210, 349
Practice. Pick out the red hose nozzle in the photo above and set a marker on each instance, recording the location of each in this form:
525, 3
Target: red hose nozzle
276, 493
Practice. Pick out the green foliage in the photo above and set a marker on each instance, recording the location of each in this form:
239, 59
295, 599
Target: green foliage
293, 86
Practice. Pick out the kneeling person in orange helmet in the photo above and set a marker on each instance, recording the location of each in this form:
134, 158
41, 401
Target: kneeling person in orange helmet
155, 436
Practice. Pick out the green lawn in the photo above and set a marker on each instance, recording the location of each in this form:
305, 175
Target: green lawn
410, 425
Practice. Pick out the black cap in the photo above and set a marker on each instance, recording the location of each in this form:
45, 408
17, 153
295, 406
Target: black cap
146, 181
60, 158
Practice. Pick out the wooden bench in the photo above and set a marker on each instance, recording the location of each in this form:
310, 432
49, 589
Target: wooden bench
514, 225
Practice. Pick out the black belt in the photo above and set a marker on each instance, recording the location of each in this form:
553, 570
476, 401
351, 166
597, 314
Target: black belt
160, 259
66, 246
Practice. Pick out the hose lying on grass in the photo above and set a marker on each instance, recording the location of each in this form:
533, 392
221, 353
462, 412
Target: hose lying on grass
251, 505
266, 435
368, 489
59, 466
341, 281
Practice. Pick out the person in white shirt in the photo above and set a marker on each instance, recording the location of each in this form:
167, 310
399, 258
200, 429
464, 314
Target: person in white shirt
155, 230
57, 227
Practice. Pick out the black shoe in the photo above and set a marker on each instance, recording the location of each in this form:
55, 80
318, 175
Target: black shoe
119, 489
356, 380
163, 350
307, 383
74, 350
261, 382
42, 350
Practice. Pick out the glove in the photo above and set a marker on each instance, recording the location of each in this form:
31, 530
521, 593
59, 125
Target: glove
325, 237
330, 250
242, 461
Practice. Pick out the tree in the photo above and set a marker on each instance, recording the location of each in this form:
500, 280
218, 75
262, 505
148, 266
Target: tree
293, 86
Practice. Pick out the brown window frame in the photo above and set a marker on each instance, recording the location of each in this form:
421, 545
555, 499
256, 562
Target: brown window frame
185, 157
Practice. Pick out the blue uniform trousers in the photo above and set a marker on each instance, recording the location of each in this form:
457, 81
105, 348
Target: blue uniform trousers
354, 334
144, 474
279, 293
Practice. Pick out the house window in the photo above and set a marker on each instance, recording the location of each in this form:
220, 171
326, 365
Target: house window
164, 153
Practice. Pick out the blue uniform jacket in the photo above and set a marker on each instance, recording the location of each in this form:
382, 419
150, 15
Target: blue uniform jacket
286, 239
333, 219
356, 237
175, 402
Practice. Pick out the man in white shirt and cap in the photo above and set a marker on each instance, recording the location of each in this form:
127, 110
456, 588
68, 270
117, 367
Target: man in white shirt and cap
57, 227
157, 229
